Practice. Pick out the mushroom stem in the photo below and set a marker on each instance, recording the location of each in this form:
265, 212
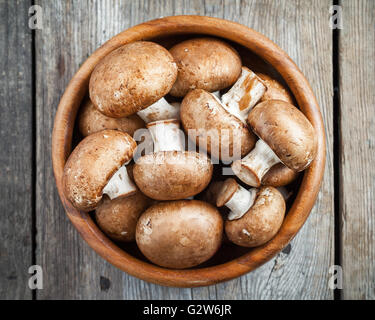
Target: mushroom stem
241, 201
255, 164
244, 94
160, 110
166, 135
120, 184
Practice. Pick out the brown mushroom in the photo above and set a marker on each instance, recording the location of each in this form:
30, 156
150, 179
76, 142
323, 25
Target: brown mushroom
286, 136
213, 128
236, 198
96, 167
279, 175
211, 192
118, 217
170, 173
90, 120
256, 215
132, 78
275, 90
179, 234
204, 63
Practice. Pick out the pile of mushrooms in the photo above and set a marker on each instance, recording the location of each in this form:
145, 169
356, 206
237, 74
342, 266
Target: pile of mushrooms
201, 111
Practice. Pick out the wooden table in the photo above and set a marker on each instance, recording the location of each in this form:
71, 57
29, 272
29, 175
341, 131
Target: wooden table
36, 66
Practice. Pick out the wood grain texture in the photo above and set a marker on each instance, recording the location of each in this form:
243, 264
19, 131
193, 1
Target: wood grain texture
72, 30
16, 150
72, 270
357, 154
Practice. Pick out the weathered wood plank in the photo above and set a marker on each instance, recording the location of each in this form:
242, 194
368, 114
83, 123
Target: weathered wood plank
16, 145
357, 152
72, 31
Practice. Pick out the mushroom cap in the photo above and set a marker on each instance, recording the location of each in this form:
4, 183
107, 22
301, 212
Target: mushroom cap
132, 78
286, 131
90, 120
228, 189
92, 164
279, 175
201, 110
275, 90
261, 223
204, 63
210, 193
179, 234
118, 217
172, 175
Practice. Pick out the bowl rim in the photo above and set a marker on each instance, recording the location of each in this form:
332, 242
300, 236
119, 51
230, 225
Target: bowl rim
307, 193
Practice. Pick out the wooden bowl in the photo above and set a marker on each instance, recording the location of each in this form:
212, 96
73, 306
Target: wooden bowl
248, 259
